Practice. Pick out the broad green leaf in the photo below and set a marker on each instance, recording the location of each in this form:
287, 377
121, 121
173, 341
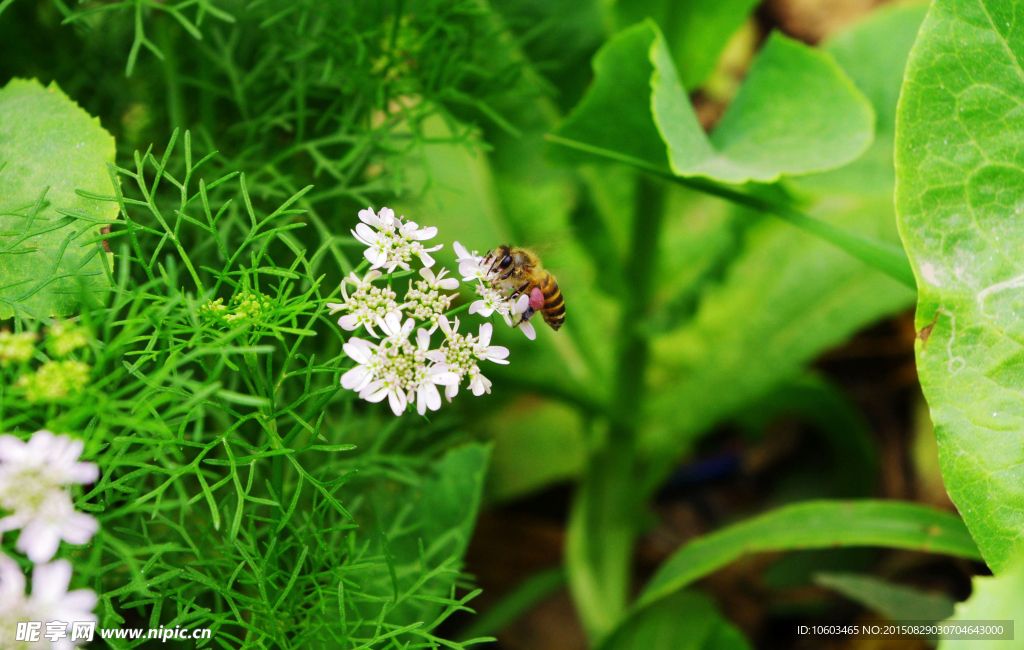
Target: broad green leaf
615, 114
992, 599
896, 602
796, 112
49, 246
788, 297
814, 524
959, 198
684, 621
696, 30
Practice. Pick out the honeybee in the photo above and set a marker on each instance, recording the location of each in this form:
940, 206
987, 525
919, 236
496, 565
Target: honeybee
519, 271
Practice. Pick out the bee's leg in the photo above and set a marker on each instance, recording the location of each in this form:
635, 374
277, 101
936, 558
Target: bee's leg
523, 317
522, 288
507, 274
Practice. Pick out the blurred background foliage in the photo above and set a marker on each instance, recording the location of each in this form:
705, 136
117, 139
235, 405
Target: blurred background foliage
439, 109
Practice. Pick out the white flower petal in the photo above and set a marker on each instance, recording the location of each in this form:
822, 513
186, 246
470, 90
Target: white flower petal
397, 400
437, 356
451, 390
442, 322
366, 234
497, 354
368, 216
79, 528
374, 392
50, 581
356, 378
445, 378
375, 257
358, 350
480, 307
521, 304
349, 322
448, 284
427, 260
422, 339
387, 217
39, 540
424, 234
485, 335
429, 394
12, 580
528, 330
335, 307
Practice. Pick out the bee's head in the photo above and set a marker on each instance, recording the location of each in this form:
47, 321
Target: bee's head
502, 259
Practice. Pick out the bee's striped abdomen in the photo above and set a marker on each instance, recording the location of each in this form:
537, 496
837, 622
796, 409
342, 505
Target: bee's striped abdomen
554, 307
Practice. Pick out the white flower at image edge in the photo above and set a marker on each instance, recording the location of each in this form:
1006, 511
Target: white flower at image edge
50, 600
32, 476
393, 243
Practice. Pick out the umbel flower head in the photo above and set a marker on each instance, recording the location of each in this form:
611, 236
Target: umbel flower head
366, 304
396, 361
33, 476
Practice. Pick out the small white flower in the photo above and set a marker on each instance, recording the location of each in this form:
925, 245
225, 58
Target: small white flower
483, 349
397, 369
364, 354
366, 304
50, 600
478, 383
471, 265
461, 353
13, 602
426, 395
394, 242
491, 301
394, 327
32, 476
439, 281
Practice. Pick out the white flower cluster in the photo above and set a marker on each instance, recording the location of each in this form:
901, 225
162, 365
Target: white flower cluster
473, 266
402, 367
392, 242
33, 480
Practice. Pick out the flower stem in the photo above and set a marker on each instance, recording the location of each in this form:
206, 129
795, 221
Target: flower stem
460, 308
604, 518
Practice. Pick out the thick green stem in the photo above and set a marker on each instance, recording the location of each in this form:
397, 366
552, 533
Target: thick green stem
604, 518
